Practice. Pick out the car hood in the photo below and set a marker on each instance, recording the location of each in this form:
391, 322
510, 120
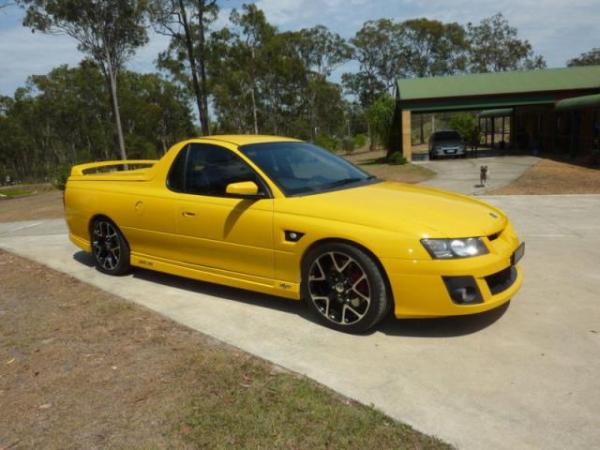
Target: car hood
405, 208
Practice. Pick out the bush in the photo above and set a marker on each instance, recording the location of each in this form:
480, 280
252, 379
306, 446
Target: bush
396, 158
381, 116
466, 125
348, 144
360, 140
58, 176
328, 142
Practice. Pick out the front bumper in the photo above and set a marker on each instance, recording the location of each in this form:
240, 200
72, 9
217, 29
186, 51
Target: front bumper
448, 151
421, 287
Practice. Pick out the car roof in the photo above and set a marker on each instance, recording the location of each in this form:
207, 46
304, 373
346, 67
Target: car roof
245, 139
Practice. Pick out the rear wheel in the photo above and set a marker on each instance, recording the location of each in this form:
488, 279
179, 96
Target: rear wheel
344, 287
109, 247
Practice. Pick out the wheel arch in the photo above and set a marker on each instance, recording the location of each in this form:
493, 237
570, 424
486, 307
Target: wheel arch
104, 216
354, 244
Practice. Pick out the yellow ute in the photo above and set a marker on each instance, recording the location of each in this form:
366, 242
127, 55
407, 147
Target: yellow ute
284, 217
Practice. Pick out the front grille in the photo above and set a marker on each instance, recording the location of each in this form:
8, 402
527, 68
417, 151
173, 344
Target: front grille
502, 280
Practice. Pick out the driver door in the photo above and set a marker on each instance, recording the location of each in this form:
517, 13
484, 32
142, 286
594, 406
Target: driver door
215, 230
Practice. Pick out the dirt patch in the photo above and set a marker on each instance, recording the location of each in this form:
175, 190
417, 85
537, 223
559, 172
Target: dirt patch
80, 368
45, 205
554, 177
405, 173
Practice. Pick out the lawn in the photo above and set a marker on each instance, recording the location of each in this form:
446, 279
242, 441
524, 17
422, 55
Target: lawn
80, 368
554, 177
15, 192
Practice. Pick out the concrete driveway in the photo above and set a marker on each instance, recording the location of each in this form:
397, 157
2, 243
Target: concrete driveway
525, 376
462, 175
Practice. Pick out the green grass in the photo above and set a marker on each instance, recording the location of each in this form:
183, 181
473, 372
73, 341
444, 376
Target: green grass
250, 406
16, 192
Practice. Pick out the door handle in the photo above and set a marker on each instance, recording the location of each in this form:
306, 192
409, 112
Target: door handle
188, 214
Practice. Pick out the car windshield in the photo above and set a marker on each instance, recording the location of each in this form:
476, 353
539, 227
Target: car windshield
301, 168
447, 136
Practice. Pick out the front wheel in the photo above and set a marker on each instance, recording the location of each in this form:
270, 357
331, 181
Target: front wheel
344, 287
109, 247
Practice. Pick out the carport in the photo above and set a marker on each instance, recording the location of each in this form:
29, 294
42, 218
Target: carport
552, 110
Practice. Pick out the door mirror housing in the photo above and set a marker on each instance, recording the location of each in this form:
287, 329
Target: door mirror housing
243, 189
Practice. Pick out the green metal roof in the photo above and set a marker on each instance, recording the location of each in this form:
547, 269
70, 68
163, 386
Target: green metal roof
584, 101
503, 112
499, 83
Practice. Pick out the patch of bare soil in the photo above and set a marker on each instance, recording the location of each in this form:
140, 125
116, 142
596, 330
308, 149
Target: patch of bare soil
405, 173
45, 205
554, 177
80, 368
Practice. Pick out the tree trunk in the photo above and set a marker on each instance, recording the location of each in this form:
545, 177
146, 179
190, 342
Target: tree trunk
204, 124
254, 112
112, 76
189, 45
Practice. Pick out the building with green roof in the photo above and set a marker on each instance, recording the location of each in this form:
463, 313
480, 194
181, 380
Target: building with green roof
553, 109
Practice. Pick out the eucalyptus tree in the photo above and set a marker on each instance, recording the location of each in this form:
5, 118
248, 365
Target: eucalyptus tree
187, 23
109, 31
62, 118
433, 48
253, 34
495, 46
380, 50
321, 52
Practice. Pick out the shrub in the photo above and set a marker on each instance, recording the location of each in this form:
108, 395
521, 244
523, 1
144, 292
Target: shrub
360, 140
348, 144
58, 176
396, 158
466, 125
381, 116
328, 142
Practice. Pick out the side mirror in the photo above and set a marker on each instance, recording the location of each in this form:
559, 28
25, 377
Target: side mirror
243, 189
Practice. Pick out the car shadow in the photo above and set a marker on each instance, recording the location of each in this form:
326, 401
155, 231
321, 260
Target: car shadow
432, 328
442, 327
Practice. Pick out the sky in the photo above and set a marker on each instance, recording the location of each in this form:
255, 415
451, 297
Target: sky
557, 29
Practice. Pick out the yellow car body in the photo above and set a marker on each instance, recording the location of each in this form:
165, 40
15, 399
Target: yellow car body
242, 243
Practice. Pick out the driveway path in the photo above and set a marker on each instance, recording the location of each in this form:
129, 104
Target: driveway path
526, 376
462, 175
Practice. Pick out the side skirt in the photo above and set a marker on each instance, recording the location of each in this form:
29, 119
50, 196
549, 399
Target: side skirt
211, 275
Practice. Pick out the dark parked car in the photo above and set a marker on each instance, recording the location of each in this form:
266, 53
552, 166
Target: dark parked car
446, 143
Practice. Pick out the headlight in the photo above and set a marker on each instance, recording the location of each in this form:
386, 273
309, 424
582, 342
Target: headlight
454, 248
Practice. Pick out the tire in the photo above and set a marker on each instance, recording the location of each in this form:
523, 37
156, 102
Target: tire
109, 248
344, 287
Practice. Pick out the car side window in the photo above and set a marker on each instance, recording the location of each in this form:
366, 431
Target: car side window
210, 168
176, 178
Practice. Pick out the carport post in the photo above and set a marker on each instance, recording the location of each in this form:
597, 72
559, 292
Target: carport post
406, 134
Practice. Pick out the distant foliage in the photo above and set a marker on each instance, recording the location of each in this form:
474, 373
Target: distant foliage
58, 176
466, 125
348, 144
360, 140
380, 116
396, 158
591, 58
64, 118
496, 47
327, 142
